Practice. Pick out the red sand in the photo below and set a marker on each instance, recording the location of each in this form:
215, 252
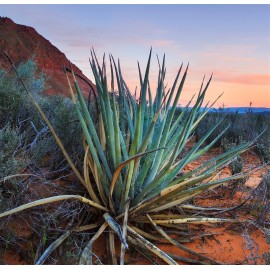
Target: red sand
228, 244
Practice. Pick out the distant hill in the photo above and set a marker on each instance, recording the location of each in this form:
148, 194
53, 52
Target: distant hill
246, 109
240, 110
258, 110
22, 42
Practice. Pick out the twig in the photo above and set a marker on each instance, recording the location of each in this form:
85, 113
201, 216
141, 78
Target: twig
239, 205
19, 175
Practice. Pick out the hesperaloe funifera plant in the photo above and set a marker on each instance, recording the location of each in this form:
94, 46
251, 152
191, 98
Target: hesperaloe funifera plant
132, 170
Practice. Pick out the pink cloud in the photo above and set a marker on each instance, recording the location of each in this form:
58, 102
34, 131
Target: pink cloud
162, 43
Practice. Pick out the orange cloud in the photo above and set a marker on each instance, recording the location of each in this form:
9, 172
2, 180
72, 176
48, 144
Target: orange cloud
250, 79
236, 94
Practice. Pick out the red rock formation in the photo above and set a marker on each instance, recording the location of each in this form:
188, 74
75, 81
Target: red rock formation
23, 42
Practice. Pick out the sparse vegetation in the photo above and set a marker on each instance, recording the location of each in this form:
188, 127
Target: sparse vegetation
242, 128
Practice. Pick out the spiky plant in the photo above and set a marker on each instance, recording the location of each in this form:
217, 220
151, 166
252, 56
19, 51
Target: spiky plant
132, 170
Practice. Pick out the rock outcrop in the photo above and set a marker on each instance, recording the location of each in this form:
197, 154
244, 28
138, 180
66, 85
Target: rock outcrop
23, 42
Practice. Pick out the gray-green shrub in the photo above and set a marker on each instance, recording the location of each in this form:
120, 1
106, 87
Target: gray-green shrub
17, 112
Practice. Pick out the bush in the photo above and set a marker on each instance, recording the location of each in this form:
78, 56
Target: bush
12, 159
16, 111
262, 149
10, 100
14, 105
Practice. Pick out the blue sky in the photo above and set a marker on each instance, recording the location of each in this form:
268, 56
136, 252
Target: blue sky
232, 41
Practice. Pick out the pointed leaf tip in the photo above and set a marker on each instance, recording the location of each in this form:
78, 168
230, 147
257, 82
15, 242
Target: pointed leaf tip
187, 68
150, 54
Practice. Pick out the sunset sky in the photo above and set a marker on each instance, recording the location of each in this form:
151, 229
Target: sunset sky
232, 41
